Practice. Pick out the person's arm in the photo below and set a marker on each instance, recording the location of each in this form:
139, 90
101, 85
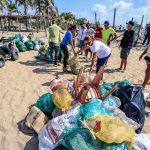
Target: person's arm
113, 35
93, 62
143, 54
72, 45
83, 49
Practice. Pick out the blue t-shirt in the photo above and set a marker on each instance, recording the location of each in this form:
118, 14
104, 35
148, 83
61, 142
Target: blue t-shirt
67, 38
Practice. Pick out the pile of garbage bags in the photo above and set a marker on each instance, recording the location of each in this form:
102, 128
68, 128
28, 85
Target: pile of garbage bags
62, 122
44, 54
27, 42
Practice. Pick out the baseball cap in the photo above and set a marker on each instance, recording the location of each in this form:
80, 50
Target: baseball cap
106, 22
131, 23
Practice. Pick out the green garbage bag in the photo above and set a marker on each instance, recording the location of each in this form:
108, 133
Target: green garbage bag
29, 45
18, 36
106, 87
21, 46
18, 43
82, 139
35, 41
93, 108
45, 104
43, 43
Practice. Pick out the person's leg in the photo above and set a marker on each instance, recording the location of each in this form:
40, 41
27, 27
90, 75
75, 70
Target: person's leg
145, 39
122, 59
51, 50
121, 64
125, 64
147, 76
148, 41
66, 56
56, 48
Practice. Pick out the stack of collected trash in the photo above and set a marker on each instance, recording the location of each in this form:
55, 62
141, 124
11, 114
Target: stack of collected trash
27, 42
83, 115
44, 54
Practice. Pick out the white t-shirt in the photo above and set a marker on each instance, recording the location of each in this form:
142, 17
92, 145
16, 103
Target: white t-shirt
90, 31
101, 49
81, 34
148, 52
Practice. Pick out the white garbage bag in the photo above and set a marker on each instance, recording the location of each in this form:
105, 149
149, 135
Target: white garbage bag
52, 131
142, 142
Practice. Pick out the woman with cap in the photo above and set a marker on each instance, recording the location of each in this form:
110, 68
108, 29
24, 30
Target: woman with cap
126, 45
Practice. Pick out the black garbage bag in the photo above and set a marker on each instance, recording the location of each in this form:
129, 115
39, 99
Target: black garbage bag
132, 103
60, 147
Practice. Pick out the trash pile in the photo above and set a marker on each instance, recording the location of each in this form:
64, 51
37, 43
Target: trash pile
24, 42
81, 114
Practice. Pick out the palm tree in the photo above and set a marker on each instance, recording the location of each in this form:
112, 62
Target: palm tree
2, 4
25, 3
46, 5
11, 7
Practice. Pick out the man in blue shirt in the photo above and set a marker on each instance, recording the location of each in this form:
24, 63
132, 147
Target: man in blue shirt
65, 42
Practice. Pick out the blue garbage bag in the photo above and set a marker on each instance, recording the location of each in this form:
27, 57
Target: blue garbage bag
93, 108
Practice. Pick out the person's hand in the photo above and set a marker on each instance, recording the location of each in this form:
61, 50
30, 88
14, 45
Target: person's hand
91, 70
140, 58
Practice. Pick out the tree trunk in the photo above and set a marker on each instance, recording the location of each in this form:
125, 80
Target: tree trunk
25, 12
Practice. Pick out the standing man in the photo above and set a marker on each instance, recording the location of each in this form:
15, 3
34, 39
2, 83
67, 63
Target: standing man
81, 35
107, 33
147, 72
126, 45
89, 31
54, 39
100, 51
147, 36
98, 33
68, 39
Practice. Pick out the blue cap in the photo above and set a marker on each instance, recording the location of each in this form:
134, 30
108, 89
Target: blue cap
106, 22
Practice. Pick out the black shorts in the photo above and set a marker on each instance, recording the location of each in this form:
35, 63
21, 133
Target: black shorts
124, 53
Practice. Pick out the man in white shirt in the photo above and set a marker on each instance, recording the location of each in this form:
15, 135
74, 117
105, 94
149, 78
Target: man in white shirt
89, 31
99, 50
81, 35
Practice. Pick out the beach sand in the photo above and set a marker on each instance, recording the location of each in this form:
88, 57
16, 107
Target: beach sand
23, 81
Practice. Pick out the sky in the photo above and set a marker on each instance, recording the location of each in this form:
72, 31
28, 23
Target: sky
126, 9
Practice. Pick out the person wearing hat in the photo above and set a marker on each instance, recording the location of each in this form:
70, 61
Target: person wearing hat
54, 39
107, 33
126, 45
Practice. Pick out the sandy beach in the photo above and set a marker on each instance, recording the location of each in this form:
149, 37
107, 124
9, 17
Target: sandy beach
23, 81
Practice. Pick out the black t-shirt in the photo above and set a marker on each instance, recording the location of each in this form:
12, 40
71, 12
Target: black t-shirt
148, 30
128, 38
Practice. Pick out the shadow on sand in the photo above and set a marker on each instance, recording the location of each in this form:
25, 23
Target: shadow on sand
35, 62
32, 144
111, 70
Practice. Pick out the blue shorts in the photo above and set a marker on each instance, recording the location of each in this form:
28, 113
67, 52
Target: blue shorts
101, 62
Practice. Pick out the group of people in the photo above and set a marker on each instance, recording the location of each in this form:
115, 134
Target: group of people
97, 42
